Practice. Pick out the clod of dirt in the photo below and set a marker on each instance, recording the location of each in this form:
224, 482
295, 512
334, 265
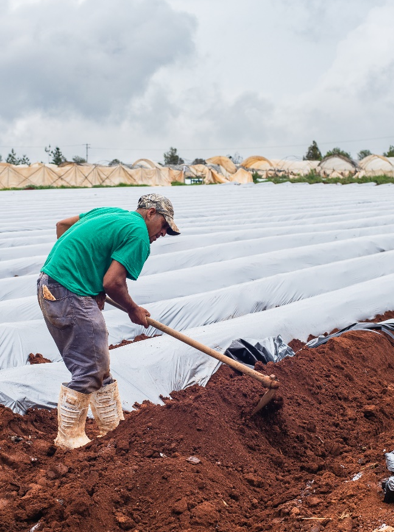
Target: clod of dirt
296, 345
138, 338
38, 359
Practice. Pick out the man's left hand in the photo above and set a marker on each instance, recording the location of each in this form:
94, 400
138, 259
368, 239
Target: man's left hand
100, 300
138, 315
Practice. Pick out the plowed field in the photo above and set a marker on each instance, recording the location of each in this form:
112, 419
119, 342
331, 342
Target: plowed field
312, 460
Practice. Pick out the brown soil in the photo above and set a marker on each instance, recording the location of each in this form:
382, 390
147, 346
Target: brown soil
290, 468
297, 345
389, 315
138, 338
38, 359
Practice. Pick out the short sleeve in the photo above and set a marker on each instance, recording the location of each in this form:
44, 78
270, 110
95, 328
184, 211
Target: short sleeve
98, 211
132, 254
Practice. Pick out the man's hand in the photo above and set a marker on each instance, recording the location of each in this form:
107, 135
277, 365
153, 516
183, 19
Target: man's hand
115, 286
139, 315
100, 300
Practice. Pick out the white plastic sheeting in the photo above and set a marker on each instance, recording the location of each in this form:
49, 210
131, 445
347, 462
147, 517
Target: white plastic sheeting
212, 252
238, 287
158, 366
155, 369
323, 254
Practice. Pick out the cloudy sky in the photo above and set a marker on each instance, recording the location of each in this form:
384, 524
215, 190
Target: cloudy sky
210, 77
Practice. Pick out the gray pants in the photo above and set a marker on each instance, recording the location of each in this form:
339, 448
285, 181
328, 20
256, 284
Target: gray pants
78, 328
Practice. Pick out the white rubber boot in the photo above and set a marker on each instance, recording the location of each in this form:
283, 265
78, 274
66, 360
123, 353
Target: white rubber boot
107, 408
72, 410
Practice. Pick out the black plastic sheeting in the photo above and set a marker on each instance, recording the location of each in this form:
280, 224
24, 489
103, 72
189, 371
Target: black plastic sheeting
249, 350
273, 349
385, 327
388, 483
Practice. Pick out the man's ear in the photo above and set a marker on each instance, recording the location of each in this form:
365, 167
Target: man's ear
150, 213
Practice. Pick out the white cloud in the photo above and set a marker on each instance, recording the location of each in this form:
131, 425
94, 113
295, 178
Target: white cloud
354, 97
87, 58
323, 22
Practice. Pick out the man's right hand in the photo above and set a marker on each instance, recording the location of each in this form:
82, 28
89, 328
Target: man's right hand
138, 315
115, 286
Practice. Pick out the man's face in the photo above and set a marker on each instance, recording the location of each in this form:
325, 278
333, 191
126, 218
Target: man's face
156, 225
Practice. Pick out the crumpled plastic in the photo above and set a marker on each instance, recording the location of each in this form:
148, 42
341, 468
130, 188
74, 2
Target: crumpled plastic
249, 350
386, 327
388, 484
390, 461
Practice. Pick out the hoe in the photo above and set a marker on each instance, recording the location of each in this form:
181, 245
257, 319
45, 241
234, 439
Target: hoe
269, 382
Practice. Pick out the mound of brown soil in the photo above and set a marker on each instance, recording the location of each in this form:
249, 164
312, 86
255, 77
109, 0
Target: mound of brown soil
138, 338
38, 359
312, 460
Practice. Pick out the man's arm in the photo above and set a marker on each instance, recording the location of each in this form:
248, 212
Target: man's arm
115, 285
63, 225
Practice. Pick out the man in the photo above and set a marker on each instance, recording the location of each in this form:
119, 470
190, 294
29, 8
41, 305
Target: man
95, 253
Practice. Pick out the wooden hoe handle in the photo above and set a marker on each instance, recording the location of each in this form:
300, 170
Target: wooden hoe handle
266, 381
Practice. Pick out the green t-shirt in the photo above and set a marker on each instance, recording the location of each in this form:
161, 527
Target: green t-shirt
82, 255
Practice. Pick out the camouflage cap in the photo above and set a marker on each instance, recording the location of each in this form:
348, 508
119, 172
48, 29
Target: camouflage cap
163, 206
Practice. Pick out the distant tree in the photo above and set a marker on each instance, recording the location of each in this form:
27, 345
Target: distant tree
172, 157
79, 160
390, 152
12, 158
363, 153
115, 162
56, 154
1, 158
199, 161
313, 153
338, 151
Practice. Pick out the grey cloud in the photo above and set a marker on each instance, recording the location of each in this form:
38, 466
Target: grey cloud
155, 111
205, 118
89, 59
77, 73
201, 117
377, 87
246, 119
